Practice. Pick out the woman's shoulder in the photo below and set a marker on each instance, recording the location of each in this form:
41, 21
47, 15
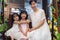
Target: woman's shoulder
41, 10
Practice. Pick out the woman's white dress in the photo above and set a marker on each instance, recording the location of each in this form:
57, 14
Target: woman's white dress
15, 32
43, 33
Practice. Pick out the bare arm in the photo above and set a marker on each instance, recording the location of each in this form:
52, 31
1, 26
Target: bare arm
39, 24
16, 22
27, 29
21, 29
20, 22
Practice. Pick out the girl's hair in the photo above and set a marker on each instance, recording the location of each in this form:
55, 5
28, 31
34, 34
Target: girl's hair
23, 12
14, 16
11, 19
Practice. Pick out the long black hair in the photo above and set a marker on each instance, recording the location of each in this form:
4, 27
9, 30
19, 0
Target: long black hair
14, 16
24, 12
11, 20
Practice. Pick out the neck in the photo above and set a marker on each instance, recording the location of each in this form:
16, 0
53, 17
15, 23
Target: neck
35, 9
23, 19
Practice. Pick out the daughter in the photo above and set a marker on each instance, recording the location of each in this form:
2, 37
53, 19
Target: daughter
24, 27
14, 32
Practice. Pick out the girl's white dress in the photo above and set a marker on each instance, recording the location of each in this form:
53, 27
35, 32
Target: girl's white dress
15, 32
43, 33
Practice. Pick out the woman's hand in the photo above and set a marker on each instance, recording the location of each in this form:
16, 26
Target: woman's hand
29, 30
32, 29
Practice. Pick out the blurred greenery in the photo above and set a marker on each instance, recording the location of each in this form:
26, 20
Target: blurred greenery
3, 27
0, 0
0, 20
59, 18
56, 34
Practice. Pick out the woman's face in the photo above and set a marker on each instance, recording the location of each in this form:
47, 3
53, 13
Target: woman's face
33, 4
23, 16
16, 18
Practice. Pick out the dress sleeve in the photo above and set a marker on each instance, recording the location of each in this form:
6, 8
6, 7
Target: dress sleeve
43, 15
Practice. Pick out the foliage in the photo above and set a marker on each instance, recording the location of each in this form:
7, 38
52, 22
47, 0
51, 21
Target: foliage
3, 27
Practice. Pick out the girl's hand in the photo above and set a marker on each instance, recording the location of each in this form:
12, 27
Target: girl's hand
21, 22
25, 34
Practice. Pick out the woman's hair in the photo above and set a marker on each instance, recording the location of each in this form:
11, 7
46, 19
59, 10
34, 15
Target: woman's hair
23, 12
32, 1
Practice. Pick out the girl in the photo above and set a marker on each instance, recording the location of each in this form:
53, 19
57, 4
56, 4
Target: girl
14, 31
24, 27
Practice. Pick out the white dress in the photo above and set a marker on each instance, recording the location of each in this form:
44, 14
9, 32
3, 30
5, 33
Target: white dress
14, 31
43, 33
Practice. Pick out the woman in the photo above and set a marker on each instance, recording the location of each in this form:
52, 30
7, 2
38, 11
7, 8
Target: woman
40, 29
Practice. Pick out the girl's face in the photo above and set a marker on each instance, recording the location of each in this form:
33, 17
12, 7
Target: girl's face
23, 16
16, 18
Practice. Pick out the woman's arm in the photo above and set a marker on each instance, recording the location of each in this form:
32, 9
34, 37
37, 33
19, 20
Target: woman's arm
38, 25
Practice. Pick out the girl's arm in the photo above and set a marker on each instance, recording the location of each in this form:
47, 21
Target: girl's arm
16, 22
27, 29
21, 30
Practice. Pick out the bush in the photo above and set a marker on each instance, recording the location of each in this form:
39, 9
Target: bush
3, 27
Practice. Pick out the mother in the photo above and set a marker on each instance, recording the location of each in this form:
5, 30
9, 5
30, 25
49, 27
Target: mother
40, 29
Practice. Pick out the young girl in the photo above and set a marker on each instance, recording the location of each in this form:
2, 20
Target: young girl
14, 31
24, 27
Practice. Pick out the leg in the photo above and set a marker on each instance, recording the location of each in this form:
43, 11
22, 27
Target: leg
12, 38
